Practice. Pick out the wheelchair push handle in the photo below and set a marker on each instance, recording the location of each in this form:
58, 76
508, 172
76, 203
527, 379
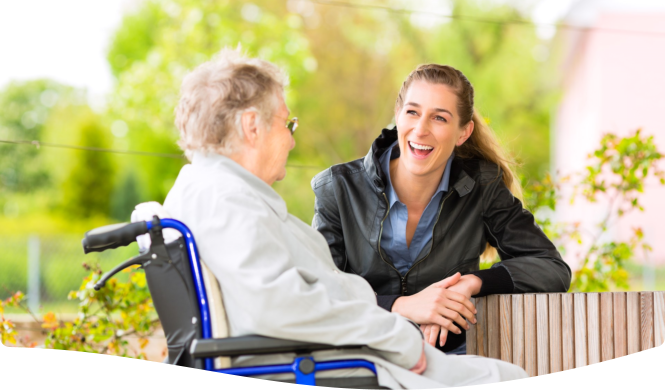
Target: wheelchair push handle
112, 236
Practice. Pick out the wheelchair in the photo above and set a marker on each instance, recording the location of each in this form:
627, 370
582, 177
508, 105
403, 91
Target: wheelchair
188, 301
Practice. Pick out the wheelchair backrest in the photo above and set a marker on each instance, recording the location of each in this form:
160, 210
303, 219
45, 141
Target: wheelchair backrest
181, 325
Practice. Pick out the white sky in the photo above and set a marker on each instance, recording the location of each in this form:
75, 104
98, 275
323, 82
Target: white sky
66, 40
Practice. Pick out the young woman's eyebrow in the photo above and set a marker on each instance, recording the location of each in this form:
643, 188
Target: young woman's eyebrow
436, 109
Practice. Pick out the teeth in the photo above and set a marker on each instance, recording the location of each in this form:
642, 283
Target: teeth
420, 147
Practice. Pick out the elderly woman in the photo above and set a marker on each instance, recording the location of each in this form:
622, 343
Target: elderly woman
276, 273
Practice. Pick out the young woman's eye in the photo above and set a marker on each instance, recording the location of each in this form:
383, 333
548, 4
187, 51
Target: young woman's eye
411, 112
440, 118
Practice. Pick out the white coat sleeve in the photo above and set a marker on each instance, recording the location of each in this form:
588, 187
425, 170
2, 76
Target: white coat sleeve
264, 293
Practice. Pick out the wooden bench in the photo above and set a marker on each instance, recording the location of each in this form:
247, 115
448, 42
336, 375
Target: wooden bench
546, 333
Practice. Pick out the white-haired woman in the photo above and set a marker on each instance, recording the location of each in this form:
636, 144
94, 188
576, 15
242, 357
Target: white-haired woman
277, 276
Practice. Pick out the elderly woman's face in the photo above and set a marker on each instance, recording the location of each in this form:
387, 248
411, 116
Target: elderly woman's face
277, 144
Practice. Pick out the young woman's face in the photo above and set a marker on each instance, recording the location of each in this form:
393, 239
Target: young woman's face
428, 128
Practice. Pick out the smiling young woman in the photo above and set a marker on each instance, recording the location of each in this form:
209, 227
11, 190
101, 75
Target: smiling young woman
433, 194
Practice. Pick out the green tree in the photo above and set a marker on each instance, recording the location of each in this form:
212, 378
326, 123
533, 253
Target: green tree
176, 36
89, 184
26, 106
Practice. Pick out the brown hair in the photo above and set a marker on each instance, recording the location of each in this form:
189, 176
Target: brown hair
482, 143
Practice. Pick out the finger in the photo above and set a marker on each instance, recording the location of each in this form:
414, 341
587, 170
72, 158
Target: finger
455, 317
443, 337
459, 309
446, 324
461, 298
433, 335
449, 281
426, 331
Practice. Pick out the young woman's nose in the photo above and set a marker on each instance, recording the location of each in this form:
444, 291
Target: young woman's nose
421, 128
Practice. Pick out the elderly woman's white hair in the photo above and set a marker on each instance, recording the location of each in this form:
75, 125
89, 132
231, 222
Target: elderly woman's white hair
214, 96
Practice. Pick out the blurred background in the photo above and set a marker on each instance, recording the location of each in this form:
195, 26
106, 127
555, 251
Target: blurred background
88, 90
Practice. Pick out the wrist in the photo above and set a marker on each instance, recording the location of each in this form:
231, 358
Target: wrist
398, 305
474, 283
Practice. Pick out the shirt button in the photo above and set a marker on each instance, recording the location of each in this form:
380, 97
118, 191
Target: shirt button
336, 271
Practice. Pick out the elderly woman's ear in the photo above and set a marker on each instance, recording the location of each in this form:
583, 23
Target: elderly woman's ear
250, 126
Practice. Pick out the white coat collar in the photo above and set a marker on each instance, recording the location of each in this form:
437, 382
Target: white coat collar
227, 165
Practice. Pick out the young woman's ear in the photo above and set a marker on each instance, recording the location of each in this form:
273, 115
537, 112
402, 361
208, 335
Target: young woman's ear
466, 133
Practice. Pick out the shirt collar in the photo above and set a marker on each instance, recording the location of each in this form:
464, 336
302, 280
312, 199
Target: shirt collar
390, 191
266, 192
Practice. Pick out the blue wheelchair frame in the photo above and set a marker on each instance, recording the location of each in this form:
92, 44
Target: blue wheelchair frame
304, 368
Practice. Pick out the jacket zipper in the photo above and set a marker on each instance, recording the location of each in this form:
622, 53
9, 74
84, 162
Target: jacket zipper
378, 244
403, 278
430, 248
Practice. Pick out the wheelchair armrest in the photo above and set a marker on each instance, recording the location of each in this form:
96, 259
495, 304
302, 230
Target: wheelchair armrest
254, 345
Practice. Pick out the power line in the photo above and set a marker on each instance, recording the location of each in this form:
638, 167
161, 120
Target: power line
39, 144
481, 20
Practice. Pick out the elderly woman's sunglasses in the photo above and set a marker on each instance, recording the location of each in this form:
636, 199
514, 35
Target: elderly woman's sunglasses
292, 124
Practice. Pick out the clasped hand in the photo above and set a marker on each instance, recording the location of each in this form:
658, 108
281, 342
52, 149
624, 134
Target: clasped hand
440, 306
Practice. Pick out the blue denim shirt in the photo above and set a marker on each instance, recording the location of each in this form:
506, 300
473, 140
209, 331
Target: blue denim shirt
393, 238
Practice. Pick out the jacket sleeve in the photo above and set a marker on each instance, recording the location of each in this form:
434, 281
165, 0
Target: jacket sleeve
529, 260
326, 217
266, 293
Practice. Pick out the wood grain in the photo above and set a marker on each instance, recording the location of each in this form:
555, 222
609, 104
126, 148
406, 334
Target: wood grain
481, 328
633, 322
579, 300
606, 326
471, 336
505, 308
493, 327
555, 320
659, 318
530, 335
518, 329
567, 332
620, 331
542, 334
646, 320
593, 327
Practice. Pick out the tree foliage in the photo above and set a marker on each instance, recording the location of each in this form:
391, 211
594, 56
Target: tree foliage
616, 174
26, 107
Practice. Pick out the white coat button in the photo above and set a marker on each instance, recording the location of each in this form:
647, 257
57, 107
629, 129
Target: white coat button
336, 271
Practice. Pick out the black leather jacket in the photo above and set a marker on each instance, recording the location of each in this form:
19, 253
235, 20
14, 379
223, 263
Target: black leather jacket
351, 206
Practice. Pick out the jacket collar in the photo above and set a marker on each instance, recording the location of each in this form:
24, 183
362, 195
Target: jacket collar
459, 179
261, 188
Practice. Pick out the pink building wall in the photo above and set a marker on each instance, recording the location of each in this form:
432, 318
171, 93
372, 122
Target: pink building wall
613, 82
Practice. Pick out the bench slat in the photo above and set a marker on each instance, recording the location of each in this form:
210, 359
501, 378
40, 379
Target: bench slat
593, 327
530, 339
633, 317
505, 308
567, 332
518, 330
646, 320
555, 322
543, 333
579, 300
659, 318
493, 327
620, 331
